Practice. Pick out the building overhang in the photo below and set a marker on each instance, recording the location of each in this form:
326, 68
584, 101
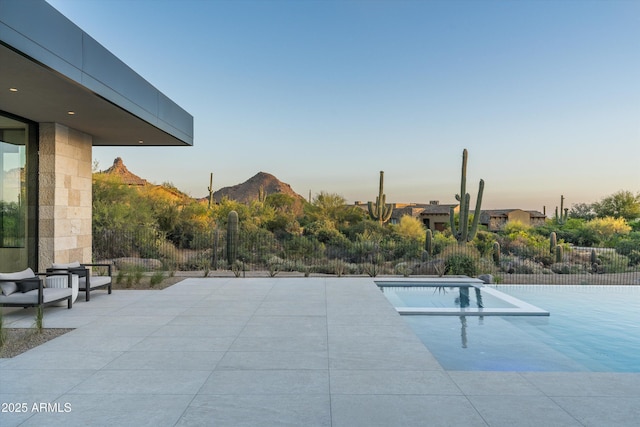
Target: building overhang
52, 71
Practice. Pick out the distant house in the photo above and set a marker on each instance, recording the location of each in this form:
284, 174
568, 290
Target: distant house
496, 219
433, 215
436, 216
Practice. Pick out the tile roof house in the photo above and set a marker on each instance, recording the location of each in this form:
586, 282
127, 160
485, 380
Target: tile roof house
496, 219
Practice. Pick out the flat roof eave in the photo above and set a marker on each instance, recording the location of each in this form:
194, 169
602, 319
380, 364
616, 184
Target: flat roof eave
57, 68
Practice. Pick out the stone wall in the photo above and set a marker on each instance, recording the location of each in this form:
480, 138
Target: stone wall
64, 230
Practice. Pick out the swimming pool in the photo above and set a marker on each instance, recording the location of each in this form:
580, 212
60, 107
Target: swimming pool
590, 328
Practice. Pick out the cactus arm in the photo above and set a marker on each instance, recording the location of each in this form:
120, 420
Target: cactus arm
372, 214
452, 221
476, 214
388, 209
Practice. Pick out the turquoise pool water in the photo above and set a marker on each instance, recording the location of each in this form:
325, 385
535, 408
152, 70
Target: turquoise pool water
590, 328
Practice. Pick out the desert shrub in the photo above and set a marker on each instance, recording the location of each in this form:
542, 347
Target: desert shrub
371, 269
325, 232
3, 332
442, 241
410, 228
403, 268
461, 264
517, 265
300, 247
606, 228
567, 268
277, 264
484, 242
634, 257
628, 243
120, 276
460, 259
406, 249
156, 278
257, 245
612, 262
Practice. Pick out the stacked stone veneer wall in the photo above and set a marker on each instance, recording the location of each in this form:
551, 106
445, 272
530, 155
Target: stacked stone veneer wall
64, 228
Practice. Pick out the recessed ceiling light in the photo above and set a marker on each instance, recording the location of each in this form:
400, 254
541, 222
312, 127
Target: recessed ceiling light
13, 89
71, 113
140, 141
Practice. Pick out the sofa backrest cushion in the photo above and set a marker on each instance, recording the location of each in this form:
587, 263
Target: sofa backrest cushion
73, 264
28, 285
10, 287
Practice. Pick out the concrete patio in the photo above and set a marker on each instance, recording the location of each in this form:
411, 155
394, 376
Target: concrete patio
271, 352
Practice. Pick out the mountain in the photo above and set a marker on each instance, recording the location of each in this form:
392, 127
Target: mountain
120, 171
250, 189
244, 193
164, 191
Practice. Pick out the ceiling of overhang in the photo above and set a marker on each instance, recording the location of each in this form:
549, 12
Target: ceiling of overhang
44, 95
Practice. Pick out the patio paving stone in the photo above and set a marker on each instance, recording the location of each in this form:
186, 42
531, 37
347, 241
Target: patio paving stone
321, 351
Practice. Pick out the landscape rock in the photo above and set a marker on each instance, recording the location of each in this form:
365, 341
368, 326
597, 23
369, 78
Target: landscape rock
487, 279
145, 263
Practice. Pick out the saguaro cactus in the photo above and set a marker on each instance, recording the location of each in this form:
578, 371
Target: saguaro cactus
561, 218
553, 241
496, 253
232, 237
559, 253
428, 243
381, 212
462, 233
210, 189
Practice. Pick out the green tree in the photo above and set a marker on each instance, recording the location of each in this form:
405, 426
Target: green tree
623, 204
286, 211
582, 211
326, 206
333, 208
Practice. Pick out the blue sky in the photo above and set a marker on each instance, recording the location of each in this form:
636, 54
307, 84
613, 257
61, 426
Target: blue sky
545, 95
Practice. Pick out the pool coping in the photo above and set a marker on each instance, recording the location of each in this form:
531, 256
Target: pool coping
521, 308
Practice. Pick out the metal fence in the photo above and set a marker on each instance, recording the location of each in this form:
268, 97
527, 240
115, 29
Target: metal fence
260, 251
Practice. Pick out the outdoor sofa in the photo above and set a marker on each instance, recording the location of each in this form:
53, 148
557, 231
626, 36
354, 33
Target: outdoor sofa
28, 289
87, 282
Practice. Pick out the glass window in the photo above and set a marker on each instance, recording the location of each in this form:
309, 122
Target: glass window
13, 194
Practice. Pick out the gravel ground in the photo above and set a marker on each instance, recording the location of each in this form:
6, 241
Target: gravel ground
19, 340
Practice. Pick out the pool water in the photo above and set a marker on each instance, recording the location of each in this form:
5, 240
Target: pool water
442, 297
590, 328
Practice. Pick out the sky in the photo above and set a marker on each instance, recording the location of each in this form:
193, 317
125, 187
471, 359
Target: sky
325, 94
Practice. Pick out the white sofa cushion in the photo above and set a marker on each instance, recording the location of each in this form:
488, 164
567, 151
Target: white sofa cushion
31, 297
74, 264
96, 281
8, 288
